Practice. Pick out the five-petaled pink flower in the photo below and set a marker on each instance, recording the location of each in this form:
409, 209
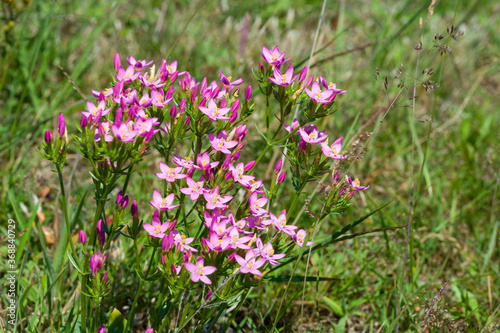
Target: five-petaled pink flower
280, 223
96, 261
283, 79
293, 126
249, 264
194, 189
183, 241
226, 81
96, 111
220, 143
156, 228
273, 57
237, 173
214, 200
183, 162
355, 185
138, 64
333, 150
170, 174
311, 135
203, 162
299, 238
128, 75
213, 111
124, 132
256, 204
267, 252
163, 203
199, 271
317, 95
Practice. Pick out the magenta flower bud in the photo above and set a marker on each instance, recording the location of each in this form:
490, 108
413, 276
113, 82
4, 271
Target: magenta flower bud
194, 92
125, 202
223, 103
133, 209
215, 92
261, 68
349, 196
82, 238
163, 261
117, 61
173, 111
182, 106
249, 165
302, 145
190, 172
203, 101
118, 116
278, 166
48, 137
226, 162
309, 80
186, 122
236, 156
101, 329
61, 125
105, 278
281, 178
204, 242
169, 93
342, 192
119, 198
231, 256
233, 117
83, 122
118, 88
240, 131
336, 177
302, 75
174, 76
149, 330
240, 146
100, 232
132, 112
228, 175
235, 105
173, 269
209, 295
248, 93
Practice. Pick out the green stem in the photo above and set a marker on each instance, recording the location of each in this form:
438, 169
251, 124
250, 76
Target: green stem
138, 293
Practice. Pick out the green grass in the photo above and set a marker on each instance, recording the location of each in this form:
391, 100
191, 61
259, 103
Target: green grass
455, 224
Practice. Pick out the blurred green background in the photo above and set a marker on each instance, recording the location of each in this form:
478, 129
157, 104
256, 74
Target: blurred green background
47, 48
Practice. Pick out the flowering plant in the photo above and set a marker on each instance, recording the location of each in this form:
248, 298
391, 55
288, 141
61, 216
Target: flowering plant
215, 227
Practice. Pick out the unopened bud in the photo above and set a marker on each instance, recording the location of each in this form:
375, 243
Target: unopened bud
248, 93
236, 156
173, 111
309, 80
302, 75
61, 125
48, 137
83, 122
249, 165
133, 209
278, 166
105, 278
119, 198
233, 117
117, 62
281, 178
82, 237
124, 202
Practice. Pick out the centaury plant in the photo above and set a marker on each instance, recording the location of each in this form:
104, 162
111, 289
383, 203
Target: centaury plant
216, 227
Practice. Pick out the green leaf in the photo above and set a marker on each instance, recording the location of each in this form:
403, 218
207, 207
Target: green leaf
116, 322
334, 306
74, 263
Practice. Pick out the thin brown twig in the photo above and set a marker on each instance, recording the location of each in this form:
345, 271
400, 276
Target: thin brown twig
354, 49
72, 83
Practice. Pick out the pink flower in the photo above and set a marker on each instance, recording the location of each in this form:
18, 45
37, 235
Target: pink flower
203, 162
170, 175
145, 101
237, 174
249, 264
294, 125
220, 143
138, 64
183, 162
273, 57
299, 238
158, 98
214, 200
213, 111
283, 79
267, 252
226, 81
96, 111
128, 75
237, 242
144, 127
96, 261
355, 185
163, 203
280, 224
124, 132
258, 222
182, 241
310, 134
257, 204
200, 272
331, 86
217, 244
156, 228
194, 189
317, 95
333, 150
